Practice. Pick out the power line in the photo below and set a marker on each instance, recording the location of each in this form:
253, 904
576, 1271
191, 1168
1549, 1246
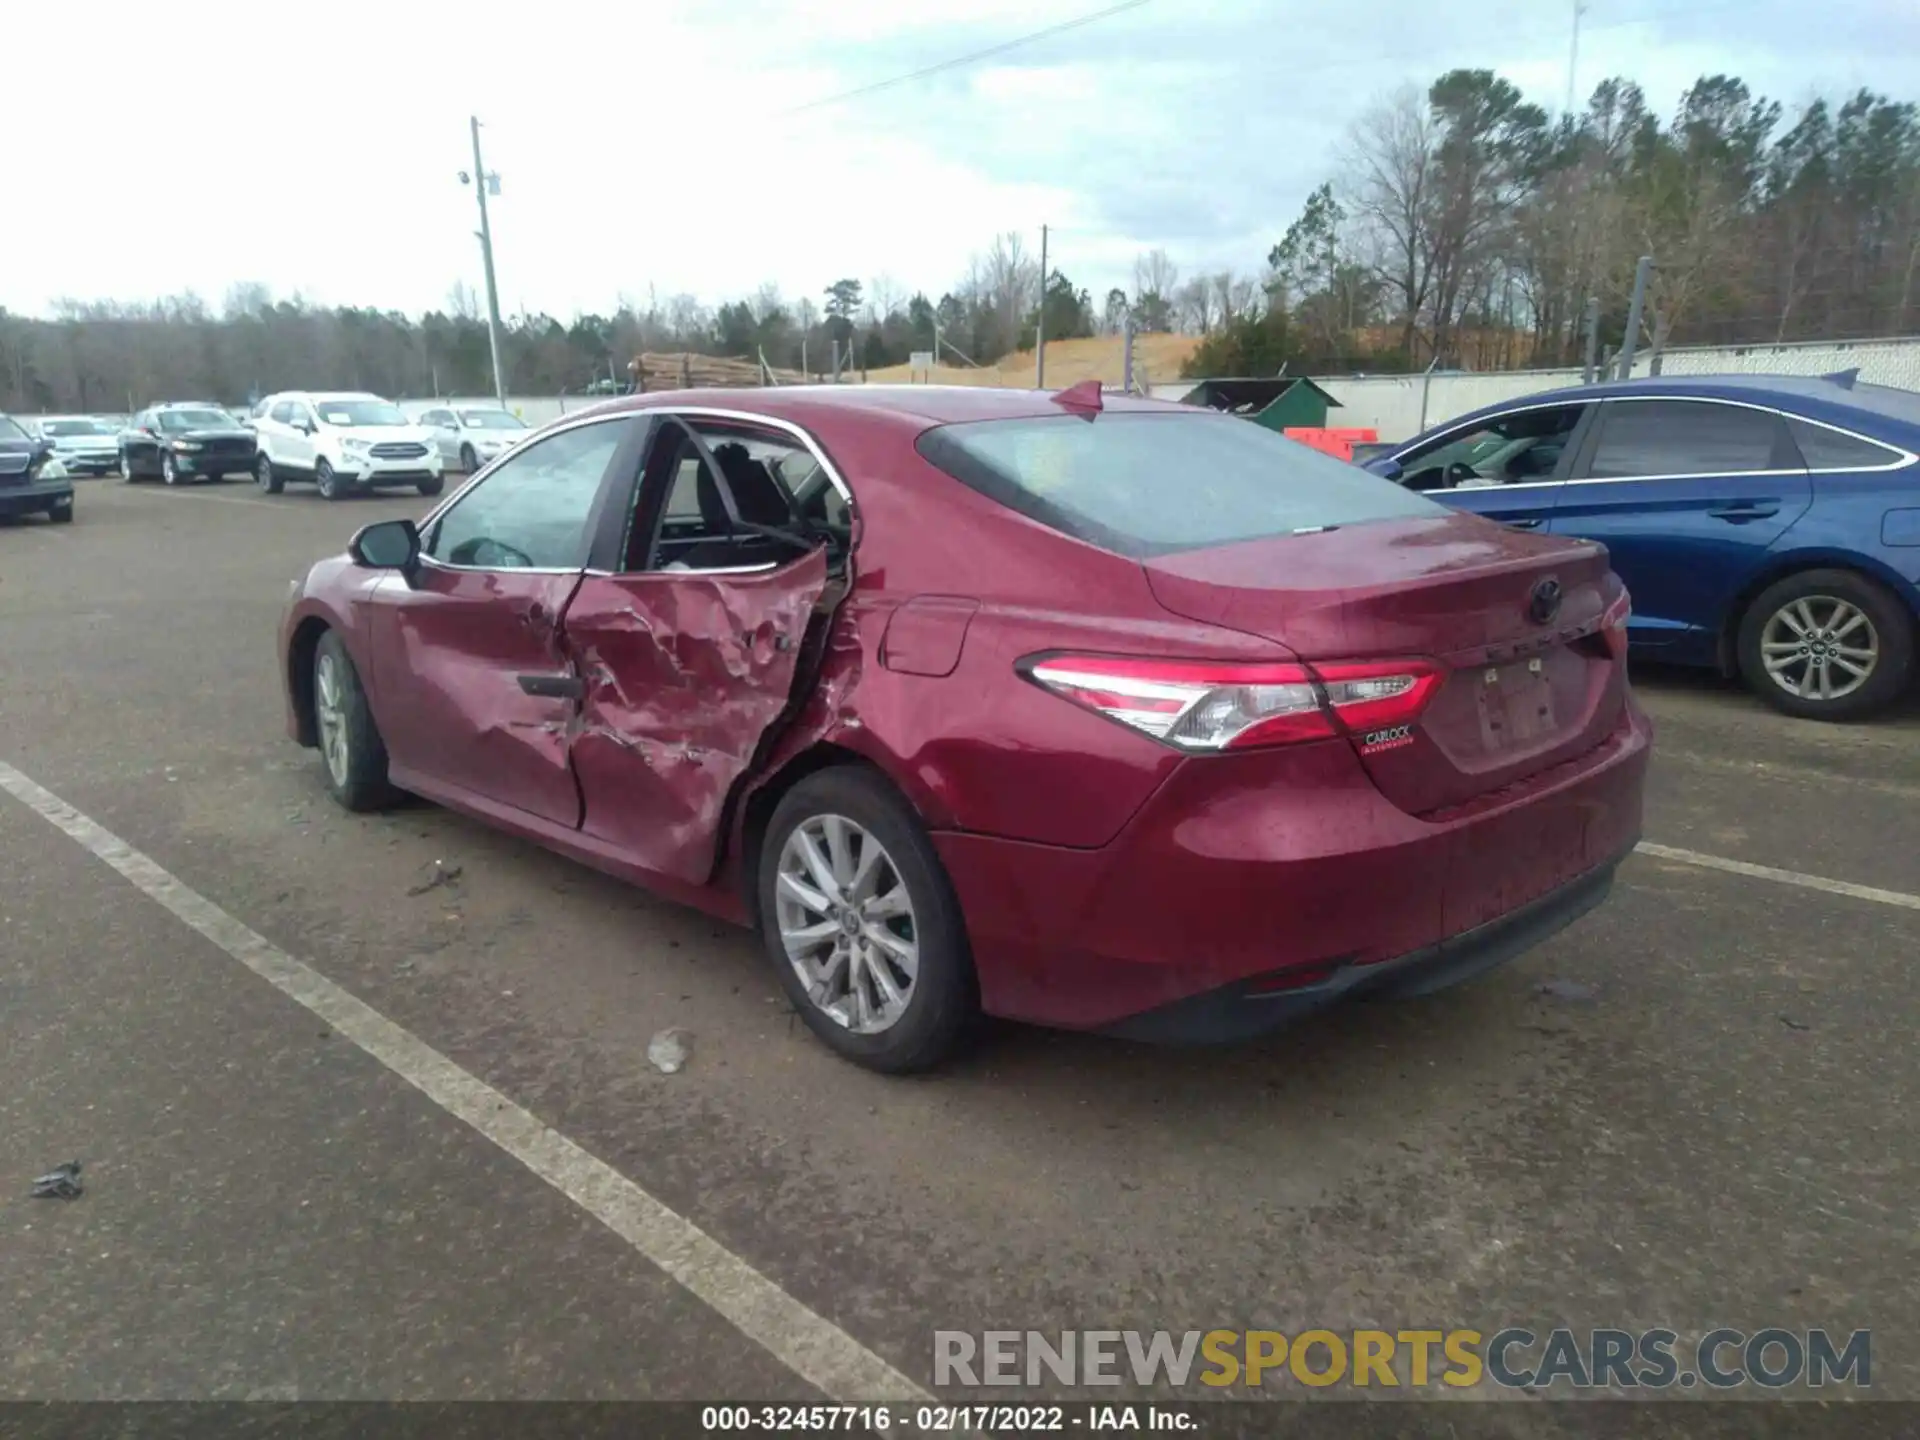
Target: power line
958, 60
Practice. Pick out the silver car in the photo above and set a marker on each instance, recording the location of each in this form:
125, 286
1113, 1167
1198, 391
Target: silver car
85, 444
471, 435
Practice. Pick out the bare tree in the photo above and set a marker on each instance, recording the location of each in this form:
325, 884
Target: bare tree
1390, 162
765, 302
1232, 296
1193, 306
884, 298
1154, 273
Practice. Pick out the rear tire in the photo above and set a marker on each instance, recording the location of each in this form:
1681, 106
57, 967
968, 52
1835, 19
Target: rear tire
327, 482
923, 915
61, 514
353, 757
270, 480
1826, 645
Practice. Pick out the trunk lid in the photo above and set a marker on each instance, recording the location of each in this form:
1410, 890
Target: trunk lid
1519, 694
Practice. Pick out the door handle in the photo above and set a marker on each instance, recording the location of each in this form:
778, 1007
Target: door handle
554, 687
1743, 510
1531, 523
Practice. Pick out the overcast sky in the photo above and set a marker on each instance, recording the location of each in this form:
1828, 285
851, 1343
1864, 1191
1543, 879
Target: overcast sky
317, 149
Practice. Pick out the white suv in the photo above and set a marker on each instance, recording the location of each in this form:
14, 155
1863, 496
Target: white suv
342, 442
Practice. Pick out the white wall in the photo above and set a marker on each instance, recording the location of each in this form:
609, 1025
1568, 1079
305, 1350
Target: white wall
536, 410
1393, 404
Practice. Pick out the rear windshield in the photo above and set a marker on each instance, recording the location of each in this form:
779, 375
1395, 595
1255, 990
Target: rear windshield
1150, 484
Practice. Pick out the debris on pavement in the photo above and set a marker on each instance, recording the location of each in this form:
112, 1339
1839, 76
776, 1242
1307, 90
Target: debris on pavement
434, 876
1577, 991
60, 1183
1793, 1024
669, 1050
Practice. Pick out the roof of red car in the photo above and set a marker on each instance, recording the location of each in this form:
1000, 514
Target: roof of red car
933, 404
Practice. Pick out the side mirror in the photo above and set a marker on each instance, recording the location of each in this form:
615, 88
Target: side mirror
1385, 468
387, 545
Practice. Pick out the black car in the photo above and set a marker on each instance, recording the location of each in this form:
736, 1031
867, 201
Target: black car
25, 486
186, 441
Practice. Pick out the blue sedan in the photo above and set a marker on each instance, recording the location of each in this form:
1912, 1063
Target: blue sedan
1767, 526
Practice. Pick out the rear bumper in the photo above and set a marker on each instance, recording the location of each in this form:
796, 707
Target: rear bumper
1242, 1011
1287, 870
35, 497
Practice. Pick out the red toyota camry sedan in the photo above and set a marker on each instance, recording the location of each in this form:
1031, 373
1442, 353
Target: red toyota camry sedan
1082, 710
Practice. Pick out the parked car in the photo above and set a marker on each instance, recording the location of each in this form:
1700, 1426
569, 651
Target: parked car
342, 442
1100, 713
470, 436
85, 445
1766, 526
32, 479
184, 440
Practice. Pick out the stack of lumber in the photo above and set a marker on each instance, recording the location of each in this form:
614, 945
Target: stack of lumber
683, 370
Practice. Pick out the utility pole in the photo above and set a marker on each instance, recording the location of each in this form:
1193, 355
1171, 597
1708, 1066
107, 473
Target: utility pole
480, 182
1593, 339
1040, 321
1126, 353
1573, 56
1635, 308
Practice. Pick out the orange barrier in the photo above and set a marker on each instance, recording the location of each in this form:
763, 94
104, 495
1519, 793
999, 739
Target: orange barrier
1337, 443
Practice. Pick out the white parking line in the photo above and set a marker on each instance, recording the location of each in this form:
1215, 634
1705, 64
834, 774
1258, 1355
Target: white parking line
814, 1348
1781, 877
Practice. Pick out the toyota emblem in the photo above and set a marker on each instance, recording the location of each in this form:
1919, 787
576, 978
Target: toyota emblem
1545, 602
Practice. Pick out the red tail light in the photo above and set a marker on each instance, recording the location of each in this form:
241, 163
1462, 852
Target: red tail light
1211, 705
1613, 626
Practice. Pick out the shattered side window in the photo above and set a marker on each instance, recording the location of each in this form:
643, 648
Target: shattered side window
532, 511
775, 483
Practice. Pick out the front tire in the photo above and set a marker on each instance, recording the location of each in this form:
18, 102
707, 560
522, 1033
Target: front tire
270, 481
353, 757
1826, 645
169, 472
61, 514
469, 462
433, 486
327, 482
862, 924
126, 468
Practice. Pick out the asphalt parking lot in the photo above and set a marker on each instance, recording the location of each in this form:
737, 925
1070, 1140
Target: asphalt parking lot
1704, 1118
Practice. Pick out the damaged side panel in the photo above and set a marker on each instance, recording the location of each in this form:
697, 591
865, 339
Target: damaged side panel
449, 654
684, 673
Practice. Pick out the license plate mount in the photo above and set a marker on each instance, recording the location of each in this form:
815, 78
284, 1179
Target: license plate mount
1516, 704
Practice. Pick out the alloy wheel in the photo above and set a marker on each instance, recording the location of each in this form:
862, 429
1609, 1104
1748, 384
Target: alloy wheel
1820, 647
169, 472
126, 466
847, 923
330, 715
